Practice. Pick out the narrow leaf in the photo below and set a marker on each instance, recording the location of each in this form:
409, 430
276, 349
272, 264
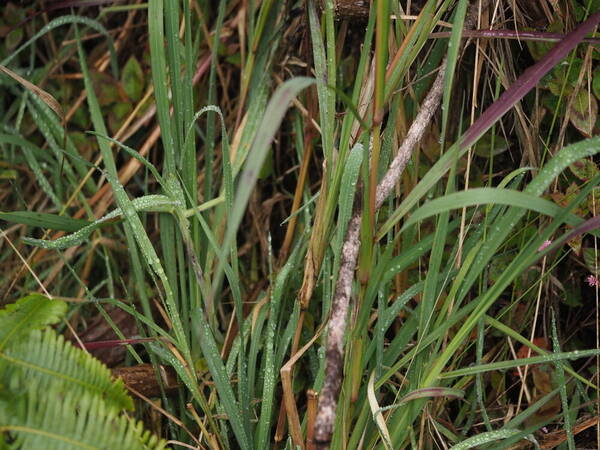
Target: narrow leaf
43, 220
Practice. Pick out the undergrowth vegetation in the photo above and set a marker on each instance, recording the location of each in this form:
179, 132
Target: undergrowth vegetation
299, 224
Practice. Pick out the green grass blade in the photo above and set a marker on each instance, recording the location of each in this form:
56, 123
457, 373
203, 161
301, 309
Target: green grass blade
453, 50
29, 151
562, 388
485, 438
273, 117
128, 209
346, 200
480, 196
70, 20
221, 379
44, 220
159, 77
156, 203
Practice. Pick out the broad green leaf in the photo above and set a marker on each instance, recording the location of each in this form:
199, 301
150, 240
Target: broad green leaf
117, 115
13, 39
107, 88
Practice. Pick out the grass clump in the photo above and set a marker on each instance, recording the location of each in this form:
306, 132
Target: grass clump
344, 228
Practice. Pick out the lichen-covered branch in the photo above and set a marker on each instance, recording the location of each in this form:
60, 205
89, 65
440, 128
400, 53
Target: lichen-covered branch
330, 392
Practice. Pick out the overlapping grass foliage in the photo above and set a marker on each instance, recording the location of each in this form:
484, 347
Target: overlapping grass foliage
213, 155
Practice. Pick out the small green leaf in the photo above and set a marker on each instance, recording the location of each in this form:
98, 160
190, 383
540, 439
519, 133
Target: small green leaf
538, 49
267, 168
590, 258
118, 113
107, 89
564, 78
583, 112
490, 145
13, 39
584, 169
81, 117
572, 296
132, 79
12, 13
85, 146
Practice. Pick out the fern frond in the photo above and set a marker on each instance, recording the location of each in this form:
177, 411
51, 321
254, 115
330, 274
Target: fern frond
46, 417
29, 313
47, 357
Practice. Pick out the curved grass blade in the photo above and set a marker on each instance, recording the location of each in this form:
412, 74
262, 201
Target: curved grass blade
148, 203
68, 20
480, 196
273, 117
129, 212
502, 365
377, 414
134, 154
